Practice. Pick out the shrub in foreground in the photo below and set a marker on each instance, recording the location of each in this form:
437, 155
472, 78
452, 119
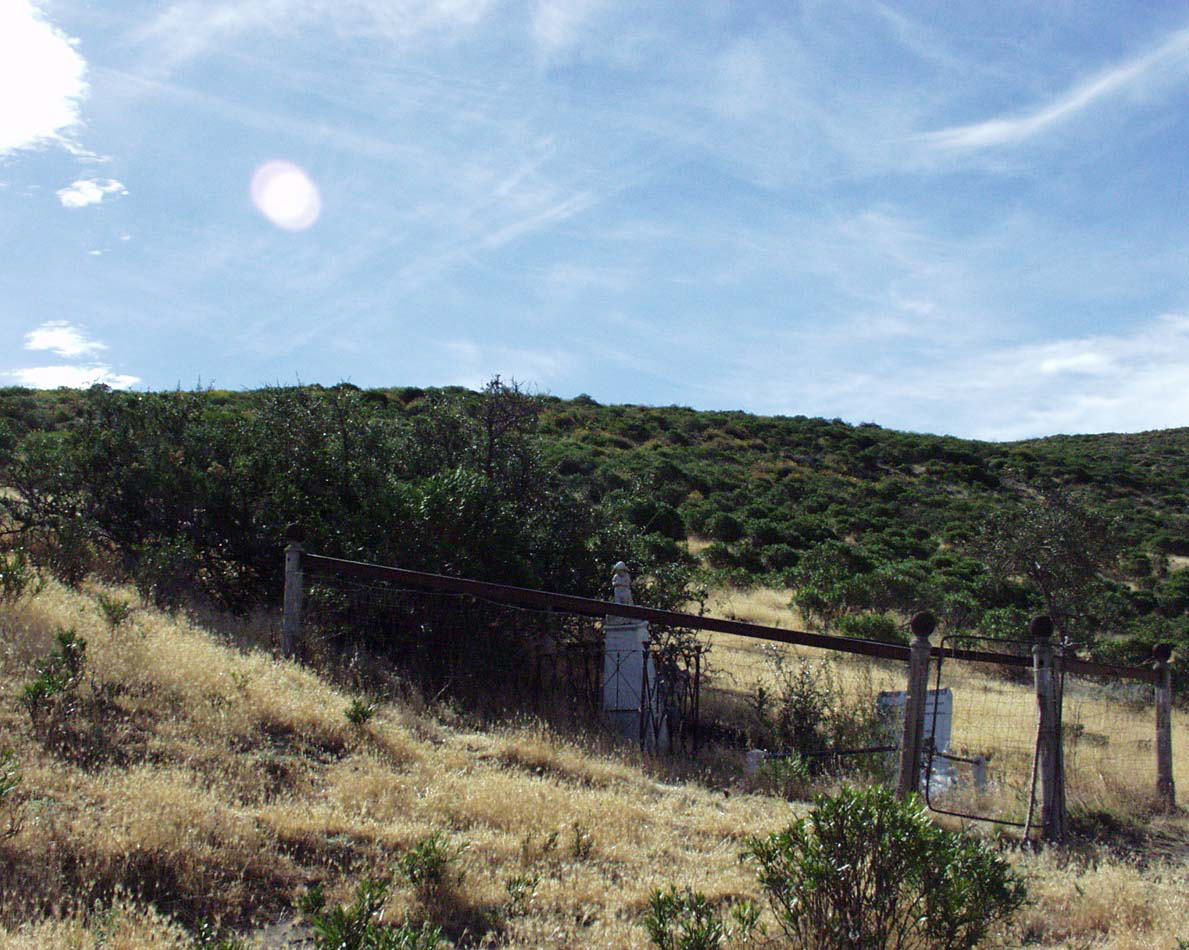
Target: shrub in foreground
863, 870
360, 924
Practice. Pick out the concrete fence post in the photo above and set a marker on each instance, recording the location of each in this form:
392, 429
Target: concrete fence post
1048, 739
1165, 787
913, 739
291, 620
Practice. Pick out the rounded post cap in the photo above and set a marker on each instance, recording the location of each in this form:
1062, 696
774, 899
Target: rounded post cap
1162, 652
1041, 627
295, 533
923, 624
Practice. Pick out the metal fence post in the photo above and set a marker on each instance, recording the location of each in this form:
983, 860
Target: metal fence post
291, 621
912, 741
1164, 781
1048, 738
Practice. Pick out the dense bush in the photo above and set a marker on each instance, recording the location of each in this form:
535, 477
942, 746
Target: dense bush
874, 627
863, 871
189, 498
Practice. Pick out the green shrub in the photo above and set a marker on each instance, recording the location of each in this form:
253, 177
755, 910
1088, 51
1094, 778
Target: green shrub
863, 870
17, 576
683, 921
114, 611
428, 866
360, 925
360, 712
788, 777
58, 675
688, 920
724, 527
880, 627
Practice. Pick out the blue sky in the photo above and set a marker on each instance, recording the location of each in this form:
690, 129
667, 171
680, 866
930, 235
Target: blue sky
954, 218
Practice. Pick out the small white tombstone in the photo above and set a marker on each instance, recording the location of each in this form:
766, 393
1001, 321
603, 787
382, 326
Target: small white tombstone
939, 720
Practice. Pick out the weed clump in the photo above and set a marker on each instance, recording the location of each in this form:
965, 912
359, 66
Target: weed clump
360, 924
428, 866
689, 920
59, 675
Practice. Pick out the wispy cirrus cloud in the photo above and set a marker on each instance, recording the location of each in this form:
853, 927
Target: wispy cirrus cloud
42, 79
1171, 54
187, 28
473, 363
89, 191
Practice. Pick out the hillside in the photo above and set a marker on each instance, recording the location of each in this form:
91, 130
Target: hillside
855, 519
193, 780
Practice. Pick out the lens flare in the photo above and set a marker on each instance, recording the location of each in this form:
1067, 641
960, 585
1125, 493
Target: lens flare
284, 194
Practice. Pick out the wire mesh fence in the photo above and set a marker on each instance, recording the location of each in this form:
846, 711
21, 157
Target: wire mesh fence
980, 759
1108, 743
821, 703
503, 659
500, 657
812, 704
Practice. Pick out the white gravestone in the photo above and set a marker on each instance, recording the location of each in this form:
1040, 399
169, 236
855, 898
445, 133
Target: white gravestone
939, 720
625, 663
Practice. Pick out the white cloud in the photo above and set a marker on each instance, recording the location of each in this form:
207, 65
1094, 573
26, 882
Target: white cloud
74, 377
1105, 383
63, 339
1171, 53
90, 191
41, 79
1125, 382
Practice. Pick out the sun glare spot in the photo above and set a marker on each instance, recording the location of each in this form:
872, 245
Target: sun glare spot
285, 195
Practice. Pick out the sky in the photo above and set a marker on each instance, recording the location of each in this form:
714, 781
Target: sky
966, 218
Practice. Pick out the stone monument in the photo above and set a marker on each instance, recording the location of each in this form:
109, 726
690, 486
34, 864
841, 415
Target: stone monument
629, 678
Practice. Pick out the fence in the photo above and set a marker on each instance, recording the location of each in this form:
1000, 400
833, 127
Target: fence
660, 690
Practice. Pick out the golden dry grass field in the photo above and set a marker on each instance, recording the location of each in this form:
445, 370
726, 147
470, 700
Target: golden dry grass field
199, 778
1110, 755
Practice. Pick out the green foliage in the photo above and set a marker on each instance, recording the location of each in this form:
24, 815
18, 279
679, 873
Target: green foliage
360, 924
688, 920
863, 870
17, 576
428, 866
521, 889
788, 776
1064, 548
191, 491
114, 610
874, 627
683, 921
806, 711
360, 712
58, 677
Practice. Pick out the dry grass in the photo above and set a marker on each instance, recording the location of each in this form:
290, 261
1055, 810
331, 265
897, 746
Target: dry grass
1110, 757
205, 781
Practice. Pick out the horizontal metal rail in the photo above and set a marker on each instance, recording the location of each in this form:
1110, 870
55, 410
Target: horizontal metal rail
589, 607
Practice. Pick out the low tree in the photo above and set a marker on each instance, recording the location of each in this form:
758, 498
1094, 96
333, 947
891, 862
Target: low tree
1065, 550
